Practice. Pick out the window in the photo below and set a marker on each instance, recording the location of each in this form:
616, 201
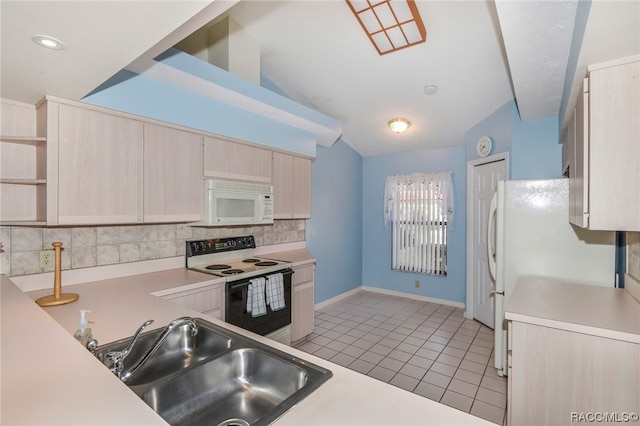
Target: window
419, 207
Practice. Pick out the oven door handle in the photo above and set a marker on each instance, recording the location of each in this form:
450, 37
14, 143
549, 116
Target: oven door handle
236, 285
239, 285
244, 283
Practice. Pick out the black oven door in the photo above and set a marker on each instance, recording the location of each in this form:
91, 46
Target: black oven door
236, 307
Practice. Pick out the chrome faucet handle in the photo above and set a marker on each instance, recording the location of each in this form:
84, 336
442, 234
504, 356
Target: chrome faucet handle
92, 345
117, 362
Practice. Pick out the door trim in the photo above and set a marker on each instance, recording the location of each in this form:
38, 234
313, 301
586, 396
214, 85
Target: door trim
471, 167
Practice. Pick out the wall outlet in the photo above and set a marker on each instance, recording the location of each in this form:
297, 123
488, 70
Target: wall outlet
417, 283
46, 258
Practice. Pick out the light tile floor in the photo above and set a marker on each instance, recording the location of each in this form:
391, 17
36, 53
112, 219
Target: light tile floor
426, 348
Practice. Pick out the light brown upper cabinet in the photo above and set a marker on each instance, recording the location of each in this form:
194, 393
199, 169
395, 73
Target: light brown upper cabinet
173, 190
605, 154
291, 186
70, 163
236, 161
579, 160
99, 167
106, 167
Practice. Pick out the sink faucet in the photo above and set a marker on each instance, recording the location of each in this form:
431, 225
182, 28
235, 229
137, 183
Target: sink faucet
118, 357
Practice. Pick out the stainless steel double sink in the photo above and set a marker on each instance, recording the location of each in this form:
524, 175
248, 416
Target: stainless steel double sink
217, 377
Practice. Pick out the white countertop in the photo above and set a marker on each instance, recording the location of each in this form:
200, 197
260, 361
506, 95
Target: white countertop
49, 378
594, 310
297, 257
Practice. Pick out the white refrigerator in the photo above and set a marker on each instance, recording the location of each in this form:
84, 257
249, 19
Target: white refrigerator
530, 235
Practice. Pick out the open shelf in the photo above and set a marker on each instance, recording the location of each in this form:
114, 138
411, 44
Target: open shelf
22, 181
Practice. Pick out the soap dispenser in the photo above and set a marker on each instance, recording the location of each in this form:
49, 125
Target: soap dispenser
83, 333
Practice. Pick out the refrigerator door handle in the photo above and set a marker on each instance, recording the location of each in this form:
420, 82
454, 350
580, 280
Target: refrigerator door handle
499, 336
491, 254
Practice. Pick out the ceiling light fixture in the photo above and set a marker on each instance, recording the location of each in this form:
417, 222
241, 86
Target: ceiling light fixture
48, 42
430, 89
390, 24
399, 125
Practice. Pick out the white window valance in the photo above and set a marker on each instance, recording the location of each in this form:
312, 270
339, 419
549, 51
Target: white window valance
426, 186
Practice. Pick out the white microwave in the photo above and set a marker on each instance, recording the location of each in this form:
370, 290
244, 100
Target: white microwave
237, 203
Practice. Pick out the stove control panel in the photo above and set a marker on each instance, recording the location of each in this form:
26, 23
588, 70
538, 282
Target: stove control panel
219, 245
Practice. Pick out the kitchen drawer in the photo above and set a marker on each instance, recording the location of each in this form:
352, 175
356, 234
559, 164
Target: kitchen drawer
303, 274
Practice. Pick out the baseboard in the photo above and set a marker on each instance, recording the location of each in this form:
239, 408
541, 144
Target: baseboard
414, 296
337, 298
389, 293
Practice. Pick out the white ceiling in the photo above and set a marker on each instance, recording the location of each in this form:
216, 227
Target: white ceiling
101, 38
317, 53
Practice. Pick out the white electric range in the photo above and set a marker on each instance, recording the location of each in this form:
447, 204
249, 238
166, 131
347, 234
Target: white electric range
232, 258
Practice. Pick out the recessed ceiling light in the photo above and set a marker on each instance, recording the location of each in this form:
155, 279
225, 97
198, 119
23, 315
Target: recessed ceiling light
430, 89
48, 42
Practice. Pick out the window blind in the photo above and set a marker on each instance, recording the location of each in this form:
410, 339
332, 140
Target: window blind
419, 207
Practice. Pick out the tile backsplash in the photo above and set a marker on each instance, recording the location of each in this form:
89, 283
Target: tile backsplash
85, 247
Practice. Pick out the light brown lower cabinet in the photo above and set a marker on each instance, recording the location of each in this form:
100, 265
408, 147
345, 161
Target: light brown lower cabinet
302, 304
564, 377
208, 300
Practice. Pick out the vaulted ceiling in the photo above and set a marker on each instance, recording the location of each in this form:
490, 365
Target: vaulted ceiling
479, 54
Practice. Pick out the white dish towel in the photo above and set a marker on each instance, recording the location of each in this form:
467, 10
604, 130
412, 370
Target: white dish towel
275, 291
255, 297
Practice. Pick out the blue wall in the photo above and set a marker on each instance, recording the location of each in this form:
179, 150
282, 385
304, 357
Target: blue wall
147, 97
376, 245
334, 232
534, 150
498, 126
534, 154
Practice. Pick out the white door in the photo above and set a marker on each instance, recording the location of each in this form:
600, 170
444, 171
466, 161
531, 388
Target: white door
486, 177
